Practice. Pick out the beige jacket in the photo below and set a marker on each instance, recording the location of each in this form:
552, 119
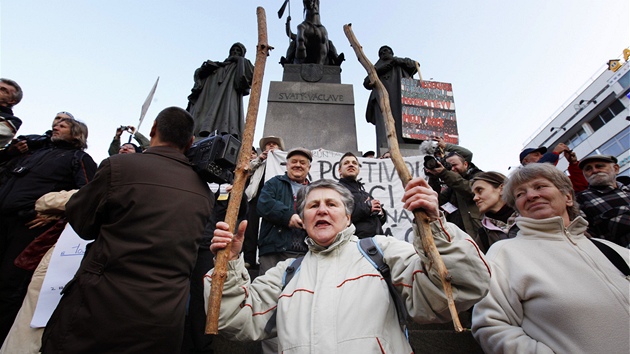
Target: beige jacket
338, 302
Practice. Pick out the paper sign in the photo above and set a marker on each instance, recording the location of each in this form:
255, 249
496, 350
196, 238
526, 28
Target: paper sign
63, 265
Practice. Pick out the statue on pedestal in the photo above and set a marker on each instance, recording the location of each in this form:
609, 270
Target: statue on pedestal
390, 70
216, 99
311, 44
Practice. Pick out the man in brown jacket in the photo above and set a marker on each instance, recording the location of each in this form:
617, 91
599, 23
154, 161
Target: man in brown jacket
146, 214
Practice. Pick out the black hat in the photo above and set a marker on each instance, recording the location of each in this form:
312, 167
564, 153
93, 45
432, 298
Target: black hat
369, 153
528, 151
135, 147
604, 158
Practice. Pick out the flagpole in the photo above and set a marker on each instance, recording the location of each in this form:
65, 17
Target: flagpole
145, 108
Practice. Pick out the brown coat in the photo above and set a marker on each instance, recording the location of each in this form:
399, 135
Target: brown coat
146, 213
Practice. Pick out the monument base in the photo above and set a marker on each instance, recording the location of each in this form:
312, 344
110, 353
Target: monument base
311, 114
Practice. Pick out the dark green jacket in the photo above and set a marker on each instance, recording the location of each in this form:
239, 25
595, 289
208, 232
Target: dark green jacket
459, 193
115, 145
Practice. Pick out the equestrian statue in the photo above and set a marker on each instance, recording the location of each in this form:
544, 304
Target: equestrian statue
311, 44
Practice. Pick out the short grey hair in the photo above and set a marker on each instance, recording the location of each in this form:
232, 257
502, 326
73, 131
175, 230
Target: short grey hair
346, 196
535, 170
18, 90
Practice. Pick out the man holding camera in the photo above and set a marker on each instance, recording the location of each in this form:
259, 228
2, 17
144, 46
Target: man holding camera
541, 155
61, 164
146, 214
31, 142
115, 146
456, 200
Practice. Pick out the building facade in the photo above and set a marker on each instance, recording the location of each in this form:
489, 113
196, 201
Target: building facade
596, 120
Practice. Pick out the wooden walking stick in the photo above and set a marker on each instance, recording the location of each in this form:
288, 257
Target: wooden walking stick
422, 220
240, 174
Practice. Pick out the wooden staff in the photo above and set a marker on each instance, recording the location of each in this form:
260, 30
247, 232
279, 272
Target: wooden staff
422, 220
240, 174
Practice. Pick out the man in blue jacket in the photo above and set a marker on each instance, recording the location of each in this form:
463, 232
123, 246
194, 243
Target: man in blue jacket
540, 155
281, 232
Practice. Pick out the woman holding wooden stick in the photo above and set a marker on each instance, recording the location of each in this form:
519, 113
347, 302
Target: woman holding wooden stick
335, 300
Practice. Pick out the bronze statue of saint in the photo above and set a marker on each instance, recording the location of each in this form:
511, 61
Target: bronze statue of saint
216, 100
311, 44
390, 70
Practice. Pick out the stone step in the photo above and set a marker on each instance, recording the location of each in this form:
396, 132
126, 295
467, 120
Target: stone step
435, 341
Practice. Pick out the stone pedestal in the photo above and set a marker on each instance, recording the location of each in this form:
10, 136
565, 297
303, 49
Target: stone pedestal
310, 108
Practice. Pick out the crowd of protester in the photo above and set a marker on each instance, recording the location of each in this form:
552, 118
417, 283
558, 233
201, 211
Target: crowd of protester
540, 256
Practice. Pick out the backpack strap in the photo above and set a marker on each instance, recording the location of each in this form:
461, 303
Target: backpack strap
370, 250
286, 278
614, 257
291, 270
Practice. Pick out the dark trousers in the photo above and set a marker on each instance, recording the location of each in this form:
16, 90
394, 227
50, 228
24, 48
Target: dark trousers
198, 341
14, 237
250, 244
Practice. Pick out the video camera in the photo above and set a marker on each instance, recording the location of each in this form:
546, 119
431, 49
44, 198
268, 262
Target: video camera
215, 157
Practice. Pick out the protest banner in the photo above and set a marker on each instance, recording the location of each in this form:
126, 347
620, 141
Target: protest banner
428, 110
378, 176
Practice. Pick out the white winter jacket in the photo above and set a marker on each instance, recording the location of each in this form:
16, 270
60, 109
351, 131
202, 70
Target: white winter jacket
553, 291
337, 302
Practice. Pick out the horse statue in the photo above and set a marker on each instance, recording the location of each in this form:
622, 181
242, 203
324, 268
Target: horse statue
311, 44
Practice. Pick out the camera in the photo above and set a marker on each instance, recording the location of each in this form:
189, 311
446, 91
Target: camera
214, 157
431, 162
35, 142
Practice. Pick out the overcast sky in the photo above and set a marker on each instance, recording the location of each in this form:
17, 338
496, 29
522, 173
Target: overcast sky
512, 64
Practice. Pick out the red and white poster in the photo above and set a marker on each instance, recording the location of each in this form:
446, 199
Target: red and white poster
428, 110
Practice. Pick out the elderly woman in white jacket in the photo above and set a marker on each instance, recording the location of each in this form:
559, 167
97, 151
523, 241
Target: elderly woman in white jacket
552, 289
337, 302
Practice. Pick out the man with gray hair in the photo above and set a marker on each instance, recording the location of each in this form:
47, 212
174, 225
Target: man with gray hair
31, 142
606, 202
60, 165
10, 95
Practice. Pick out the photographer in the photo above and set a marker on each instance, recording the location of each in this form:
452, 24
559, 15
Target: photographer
32, 142
62, 164
114, 147
456, 199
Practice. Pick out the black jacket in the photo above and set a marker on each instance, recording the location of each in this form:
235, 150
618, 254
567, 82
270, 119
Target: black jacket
367, 223
59, 166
